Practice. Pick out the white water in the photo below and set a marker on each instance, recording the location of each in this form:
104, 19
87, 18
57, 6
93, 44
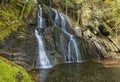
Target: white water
56, 20
71, 57
40, 20
42, 59
99, 48
72, 41
63, 22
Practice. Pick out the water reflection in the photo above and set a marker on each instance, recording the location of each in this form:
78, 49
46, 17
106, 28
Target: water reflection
43, 74
84, 72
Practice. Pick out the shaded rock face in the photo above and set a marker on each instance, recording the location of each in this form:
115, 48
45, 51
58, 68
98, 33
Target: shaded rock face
20, 47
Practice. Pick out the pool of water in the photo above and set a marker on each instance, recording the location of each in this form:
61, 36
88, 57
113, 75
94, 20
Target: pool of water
89, 71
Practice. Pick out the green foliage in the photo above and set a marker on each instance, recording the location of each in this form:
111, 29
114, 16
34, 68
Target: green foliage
28, 8
69, 4
78, 1
11, 1
10, 72
113, 11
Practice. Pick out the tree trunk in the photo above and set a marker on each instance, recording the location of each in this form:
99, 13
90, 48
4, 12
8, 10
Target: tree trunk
22, 11
116, 35
50, 3
73, 13
114, 43
2, 2
78, 17
66, 6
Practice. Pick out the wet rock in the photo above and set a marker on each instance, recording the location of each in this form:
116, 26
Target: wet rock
21, 49
78, 32
32, 18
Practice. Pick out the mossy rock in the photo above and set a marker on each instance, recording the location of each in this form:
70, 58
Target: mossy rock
10, 72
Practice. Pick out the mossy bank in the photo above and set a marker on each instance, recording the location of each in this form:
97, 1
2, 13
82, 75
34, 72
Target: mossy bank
10, 72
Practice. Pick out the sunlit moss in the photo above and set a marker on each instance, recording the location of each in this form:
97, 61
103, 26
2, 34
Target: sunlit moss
10, 72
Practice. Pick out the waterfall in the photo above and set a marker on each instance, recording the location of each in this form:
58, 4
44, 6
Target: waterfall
42, 59
76, 57
40, 20
56, 17
98, 49
69, 50
76, 48
62, 22
71, 57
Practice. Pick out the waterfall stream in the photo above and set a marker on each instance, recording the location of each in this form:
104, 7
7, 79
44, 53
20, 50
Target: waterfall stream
42, 59
72, 54
76, 57
56, 17
40, 20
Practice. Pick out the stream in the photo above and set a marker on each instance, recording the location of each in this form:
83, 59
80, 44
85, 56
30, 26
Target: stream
88, 71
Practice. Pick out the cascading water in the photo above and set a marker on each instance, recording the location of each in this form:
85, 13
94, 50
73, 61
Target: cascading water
72, 40
71, 57
42, 59
98, 47
40, 20
62, 22
56, 17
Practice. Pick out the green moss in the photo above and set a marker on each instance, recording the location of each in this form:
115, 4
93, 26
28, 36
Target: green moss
26, 9
10, 14
10, 72
46, 10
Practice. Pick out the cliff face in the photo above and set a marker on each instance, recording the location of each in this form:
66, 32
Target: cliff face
20, 47
17, 26
93, 36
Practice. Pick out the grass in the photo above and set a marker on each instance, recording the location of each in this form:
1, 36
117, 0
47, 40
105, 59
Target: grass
10, 72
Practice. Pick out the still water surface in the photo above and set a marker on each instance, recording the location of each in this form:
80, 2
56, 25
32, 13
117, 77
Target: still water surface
89, 71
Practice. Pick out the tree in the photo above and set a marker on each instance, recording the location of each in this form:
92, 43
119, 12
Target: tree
66, 6
113, 11
77, 3
3, 1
